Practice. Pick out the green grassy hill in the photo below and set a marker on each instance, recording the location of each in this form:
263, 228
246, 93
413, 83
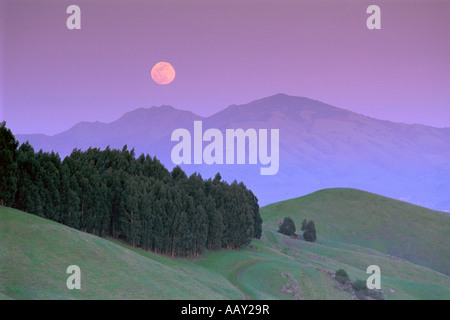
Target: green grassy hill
390, 226
34, 255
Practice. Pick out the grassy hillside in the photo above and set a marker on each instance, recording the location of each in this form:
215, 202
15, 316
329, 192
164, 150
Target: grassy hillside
34, 255
352, 216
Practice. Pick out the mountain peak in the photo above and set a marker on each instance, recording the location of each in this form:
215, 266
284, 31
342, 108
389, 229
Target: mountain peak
280, 106
283, 97
156, 111
164, 107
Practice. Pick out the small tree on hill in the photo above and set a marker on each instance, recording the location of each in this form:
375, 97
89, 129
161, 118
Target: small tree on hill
304, 223
310, 232
287, 227
360, 289
341, 276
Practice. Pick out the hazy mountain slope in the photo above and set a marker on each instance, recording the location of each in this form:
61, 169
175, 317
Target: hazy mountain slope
139, 129
321, 146
394, 227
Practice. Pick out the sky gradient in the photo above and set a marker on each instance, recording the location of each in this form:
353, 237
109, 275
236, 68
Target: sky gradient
224, 52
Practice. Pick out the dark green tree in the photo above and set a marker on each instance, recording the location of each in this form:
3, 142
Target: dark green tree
50, 183
70, 202
310, 232
237, 218
341, 276
178, 174
8, 165
360, 289
215, 224
287, 227
27, 197
217, 178
304, 224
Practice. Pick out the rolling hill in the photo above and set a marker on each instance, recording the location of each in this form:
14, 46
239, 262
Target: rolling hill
34, 255
321, 146
36, 252
353, 216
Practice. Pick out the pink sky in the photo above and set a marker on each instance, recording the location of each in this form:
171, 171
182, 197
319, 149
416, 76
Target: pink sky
224, 52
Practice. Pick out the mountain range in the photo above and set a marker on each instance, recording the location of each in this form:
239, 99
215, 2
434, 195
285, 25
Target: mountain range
321, 146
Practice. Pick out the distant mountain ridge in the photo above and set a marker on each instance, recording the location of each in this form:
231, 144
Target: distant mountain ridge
321, 146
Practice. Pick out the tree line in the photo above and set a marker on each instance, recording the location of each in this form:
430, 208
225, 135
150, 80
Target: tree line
136, 199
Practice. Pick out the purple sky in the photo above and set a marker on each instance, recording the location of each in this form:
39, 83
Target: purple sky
224, 52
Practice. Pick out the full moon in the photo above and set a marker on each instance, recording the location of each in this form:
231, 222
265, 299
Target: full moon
163, 73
